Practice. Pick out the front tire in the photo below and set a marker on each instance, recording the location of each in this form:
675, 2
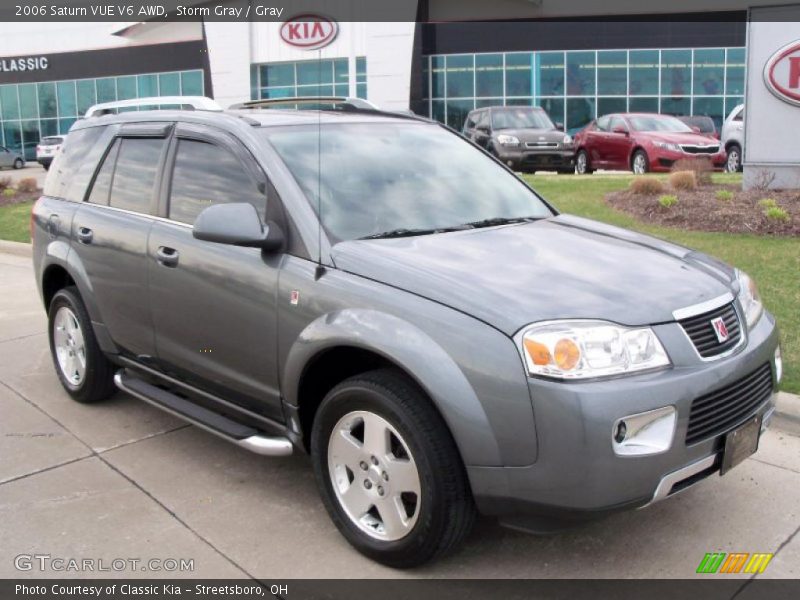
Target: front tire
640, 164
82, 368
582, 166
388, 470
19, 163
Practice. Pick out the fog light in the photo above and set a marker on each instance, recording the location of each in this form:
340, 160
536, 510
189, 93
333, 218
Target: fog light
778, 364
644, 433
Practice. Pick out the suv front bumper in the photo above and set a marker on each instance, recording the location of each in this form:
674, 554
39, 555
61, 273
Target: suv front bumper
578, 475
530, 159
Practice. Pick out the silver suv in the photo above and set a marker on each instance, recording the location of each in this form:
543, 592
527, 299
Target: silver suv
732, 136
376, 291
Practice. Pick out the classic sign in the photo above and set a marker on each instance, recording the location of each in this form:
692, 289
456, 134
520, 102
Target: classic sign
309, 32
11, 65
782, 73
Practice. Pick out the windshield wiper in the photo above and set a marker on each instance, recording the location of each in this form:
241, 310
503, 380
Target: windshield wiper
398, 233
495, 221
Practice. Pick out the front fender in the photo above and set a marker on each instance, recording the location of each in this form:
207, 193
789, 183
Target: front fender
418, 355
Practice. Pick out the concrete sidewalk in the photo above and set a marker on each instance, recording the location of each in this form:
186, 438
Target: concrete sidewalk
124, 480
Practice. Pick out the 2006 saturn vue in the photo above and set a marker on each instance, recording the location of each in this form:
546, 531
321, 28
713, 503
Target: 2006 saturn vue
378, 292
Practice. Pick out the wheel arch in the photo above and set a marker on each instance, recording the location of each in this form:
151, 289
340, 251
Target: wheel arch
634, 150
339, 345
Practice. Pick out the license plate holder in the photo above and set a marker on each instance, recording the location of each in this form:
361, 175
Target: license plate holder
740, 443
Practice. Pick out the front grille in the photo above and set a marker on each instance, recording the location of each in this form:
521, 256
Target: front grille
541, 144
692, 149
720, 411
701, 331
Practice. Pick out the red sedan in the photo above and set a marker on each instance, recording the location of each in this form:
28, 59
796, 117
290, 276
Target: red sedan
642, 142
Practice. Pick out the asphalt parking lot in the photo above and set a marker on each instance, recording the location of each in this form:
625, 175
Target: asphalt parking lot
124, 480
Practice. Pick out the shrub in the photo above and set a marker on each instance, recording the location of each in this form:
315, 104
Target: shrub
776, 213
767, 203
683, 180
647, 185
27, 185
5, 182
668, 200
8, 192
724, 195
701, 167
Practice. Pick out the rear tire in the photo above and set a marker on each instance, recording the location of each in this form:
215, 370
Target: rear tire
640, 164
582, 165
734, 162
401, 497
19, 163
82, 368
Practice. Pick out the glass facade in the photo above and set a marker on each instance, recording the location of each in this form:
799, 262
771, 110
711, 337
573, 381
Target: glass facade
578, 86
328, 77
31, 111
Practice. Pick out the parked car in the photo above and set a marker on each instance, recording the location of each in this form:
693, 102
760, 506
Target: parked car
11, 158
47, 148
522, 137
374, 290
701, 124
733, 139
641, 142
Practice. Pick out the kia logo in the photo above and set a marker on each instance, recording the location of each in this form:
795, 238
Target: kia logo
782, 73
309, 32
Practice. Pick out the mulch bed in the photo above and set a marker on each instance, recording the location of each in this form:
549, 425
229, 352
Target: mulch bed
19, 197
700, 210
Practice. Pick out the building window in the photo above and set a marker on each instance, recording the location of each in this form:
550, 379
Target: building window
328, 77
575, 87
31, 111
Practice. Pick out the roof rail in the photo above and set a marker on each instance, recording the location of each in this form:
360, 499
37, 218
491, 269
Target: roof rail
346, 104
185, 102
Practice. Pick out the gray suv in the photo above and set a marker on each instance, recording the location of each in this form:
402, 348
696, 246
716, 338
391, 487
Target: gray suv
377, 292
522, 137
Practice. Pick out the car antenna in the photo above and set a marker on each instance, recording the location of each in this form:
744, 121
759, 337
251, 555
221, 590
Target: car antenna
320, 270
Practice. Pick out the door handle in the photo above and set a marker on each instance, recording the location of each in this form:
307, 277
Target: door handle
85, 235
167, 256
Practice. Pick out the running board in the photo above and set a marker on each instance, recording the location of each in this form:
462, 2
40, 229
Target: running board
244, 436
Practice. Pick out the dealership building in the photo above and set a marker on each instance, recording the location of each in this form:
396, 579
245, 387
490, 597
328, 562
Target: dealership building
570, 58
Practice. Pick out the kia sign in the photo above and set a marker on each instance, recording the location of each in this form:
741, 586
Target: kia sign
782, 73
309, 32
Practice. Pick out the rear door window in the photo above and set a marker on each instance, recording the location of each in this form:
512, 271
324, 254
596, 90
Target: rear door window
206, 174
134, 177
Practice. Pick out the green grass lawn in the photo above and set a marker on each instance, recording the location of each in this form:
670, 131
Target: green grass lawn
774, 262
15, 222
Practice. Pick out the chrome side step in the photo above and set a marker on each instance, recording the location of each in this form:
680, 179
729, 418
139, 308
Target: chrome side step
244, 436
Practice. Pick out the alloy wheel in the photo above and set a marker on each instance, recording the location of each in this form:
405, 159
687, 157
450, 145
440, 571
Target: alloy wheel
639, 164
580, 163
733, 161
374, 475
69, 345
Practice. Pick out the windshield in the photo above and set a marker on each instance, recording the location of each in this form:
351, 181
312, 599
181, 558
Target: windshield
520, 118
658, 123
371, 178
704, 124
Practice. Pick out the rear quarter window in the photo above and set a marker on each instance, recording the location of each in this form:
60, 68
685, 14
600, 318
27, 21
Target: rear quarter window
73, 167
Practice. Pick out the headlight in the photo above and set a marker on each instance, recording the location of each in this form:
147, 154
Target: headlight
567, 140
667, 146
749, 298
508, 140
583, 349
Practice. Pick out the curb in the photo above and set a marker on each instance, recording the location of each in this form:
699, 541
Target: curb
787, 408
16, 248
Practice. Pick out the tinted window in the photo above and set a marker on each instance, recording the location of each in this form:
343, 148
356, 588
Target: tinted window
76, 153
618, 122
135, 175
602, 123
51, 141
520, 118
205, 174
102, 183
739, 116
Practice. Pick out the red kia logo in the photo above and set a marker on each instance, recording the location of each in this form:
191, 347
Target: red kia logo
309, 32
720, 329
782, 73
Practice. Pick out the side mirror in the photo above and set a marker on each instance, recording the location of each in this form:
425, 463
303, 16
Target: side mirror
482, 128
696, 129
236, 224
620, 129
559, 126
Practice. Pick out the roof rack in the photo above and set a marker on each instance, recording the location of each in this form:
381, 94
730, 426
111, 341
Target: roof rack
344, 104
185, 102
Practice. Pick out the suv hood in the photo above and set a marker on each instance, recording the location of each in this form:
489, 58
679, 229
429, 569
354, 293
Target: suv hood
560, 268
